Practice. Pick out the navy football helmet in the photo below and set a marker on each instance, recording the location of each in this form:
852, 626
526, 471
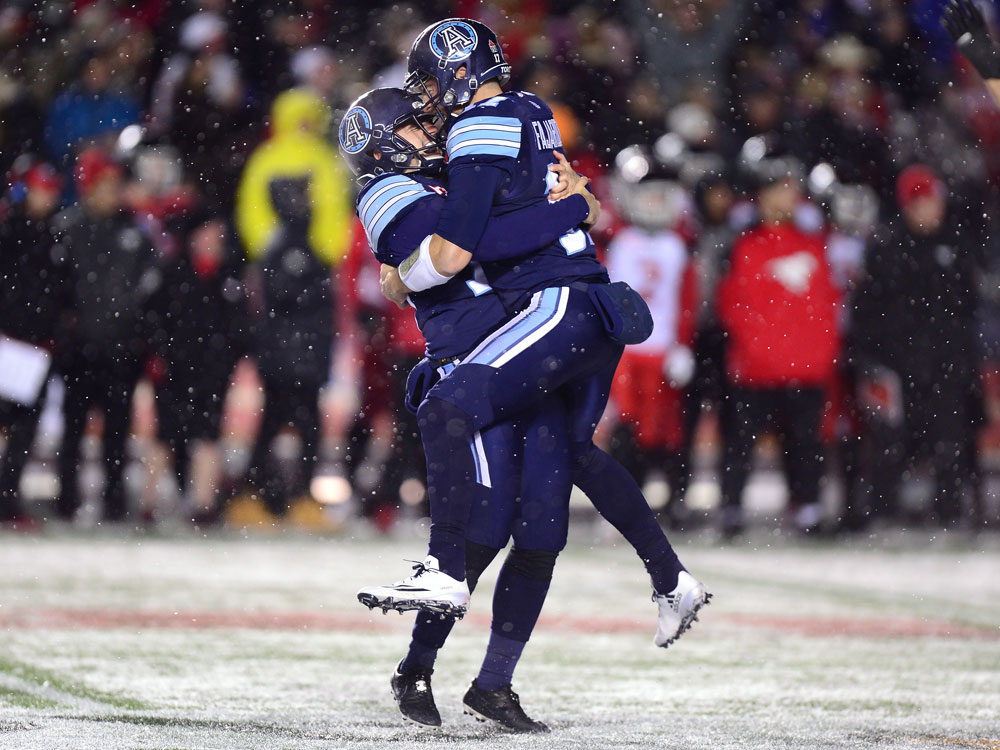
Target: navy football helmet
440, 51
371, 126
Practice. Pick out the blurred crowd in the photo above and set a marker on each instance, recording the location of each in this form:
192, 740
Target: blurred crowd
803, 191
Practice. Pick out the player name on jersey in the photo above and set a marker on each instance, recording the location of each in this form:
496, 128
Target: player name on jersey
546, 134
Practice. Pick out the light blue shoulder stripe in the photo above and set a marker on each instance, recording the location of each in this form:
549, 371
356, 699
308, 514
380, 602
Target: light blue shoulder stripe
381, 219
379, 189
384, 198
390, 211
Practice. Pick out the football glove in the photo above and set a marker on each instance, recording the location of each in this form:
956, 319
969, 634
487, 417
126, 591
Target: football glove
966, 25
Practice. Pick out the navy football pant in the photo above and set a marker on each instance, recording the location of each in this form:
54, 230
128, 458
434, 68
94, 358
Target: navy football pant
556, 347
523, 484
553, 348
611, 488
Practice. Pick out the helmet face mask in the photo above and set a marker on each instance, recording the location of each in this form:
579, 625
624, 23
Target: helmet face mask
646, 188
653, 205
440, 53
425, 88
370, 139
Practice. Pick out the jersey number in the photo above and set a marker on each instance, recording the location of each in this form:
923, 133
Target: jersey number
573, 242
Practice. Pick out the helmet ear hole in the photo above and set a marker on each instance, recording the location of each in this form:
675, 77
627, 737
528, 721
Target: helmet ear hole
461, 55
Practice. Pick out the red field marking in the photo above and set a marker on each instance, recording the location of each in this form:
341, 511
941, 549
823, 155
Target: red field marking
825, 627
818, 627
70, 619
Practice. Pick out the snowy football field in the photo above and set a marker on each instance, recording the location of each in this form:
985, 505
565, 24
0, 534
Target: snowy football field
115, 641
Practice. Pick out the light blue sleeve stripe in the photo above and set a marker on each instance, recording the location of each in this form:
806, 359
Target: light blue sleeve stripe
484, 133
486, 149
500, 127
402, 202
379, 189
487, 120
509, 130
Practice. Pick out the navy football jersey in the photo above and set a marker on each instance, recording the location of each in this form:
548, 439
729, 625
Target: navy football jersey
399, 211
516, 133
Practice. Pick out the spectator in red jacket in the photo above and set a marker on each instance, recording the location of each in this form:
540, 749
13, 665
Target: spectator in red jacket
778, 305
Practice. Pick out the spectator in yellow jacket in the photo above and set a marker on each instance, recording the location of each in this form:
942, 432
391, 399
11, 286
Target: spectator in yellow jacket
296, 149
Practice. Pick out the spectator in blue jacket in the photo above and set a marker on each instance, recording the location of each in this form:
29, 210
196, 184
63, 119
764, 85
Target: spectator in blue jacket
87, 109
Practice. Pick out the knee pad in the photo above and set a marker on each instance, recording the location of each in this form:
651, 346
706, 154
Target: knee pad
534, 564
587, 458
477, 559
440, 417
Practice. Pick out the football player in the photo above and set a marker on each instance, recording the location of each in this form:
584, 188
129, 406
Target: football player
397, 162
568, 332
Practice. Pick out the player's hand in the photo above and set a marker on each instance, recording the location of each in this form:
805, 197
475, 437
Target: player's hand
595, 205
568, 178
393, 288
967, 27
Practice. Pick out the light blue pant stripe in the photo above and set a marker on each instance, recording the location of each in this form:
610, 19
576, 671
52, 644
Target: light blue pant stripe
475, 459
510, 338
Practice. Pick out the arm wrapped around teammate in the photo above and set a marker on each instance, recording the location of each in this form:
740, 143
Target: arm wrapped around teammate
418, 271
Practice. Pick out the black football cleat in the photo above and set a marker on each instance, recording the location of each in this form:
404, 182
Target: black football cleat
501, 706
412, 691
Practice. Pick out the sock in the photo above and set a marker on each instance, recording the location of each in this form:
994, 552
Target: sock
429, 634
502, 656
447, 433
517, 602
617, 497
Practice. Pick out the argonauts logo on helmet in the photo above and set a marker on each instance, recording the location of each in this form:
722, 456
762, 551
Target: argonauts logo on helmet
355, 130
453, 41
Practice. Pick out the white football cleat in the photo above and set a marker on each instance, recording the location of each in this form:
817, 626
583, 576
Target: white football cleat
428, 589
679, 608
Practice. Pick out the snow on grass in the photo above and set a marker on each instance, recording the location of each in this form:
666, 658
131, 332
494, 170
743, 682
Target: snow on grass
180, 643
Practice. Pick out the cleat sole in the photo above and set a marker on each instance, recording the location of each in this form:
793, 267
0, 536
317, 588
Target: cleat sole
691, 617
477, 716
414, 722
482, 719
444, 609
